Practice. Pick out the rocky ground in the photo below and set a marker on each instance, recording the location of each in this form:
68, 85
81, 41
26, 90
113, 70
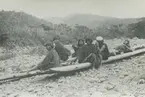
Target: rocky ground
120, 79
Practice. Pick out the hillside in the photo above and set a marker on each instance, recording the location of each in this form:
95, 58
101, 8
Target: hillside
91, 21
22, 29
92, 25
19, 28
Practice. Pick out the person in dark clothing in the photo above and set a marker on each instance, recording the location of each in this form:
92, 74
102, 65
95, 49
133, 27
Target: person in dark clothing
87, 53
103, 48
98, 53
77, 47
51, 60
125, 47
63, 52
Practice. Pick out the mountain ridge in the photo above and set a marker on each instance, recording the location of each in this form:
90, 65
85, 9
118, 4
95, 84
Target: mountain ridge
91, 20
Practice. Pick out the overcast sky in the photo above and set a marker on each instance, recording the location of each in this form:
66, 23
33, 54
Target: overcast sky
62, 8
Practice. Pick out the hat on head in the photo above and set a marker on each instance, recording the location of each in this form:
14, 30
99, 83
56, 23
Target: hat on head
99, 38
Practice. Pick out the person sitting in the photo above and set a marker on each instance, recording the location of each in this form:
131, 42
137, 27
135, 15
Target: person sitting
98, 53
124, 48
87, 53
77, 47
51, 60
103, 47
63, 52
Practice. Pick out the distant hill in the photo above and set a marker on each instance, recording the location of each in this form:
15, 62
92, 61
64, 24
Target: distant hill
90, 20
19, 28
108, 27
55, 20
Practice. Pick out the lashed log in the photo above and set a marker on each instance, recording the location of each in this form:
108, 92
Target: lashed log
24, 75
50, 71
138, 47
125, 55
73, 67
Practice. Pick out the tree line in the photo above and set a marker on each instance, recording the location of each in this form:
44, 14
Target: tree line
19, 28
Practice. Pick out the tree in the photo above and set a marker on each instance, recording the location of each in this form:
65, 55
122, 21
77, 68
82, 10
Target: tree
3, 38
138, 29
81, 31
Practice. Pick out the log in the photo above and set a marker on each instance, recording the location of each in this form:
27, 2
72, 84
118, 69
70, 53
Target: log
71, 68
24, 75
87, 65
50, 71
138, 47
125, 55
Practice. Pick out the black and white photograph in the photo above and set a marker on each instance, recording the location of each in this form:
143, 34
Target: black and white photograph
72, 48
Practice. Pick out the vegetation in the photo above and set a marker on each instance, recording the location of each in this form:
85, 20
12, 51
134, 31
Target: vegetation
19, 28
138, 29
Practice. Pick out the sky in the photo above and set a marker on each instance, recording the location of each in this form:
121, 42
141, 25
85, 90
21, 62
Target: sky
63, 8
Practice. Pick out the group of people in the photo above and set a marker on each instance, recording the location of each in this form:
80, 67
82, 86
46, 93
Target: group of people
86, 50
89, 51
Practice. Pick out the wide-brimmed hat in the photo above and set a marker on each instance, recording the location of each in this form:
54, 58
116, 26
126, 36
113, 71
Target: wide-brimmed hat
99, 38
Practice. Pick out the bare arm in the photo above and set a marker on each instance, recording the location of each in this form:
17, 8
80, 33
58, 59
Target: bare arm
102, 48
128, 48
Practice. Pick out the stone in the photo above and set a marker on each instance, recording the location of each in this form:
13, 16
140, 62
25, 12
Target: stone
97, 94
142, 76
30, 89
101, 80
14, 95
141, 81
113, 95
127, 96
121, 76
109, 87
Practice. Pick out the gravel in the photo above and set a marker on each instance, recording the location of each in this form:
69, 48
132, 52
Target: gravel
120, 79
